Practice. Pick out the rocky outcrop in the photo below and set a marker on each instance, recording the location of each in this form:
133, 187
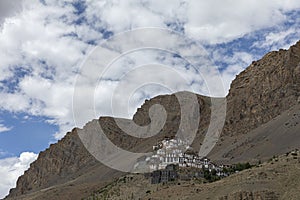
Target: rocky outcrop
265, 89
62, 161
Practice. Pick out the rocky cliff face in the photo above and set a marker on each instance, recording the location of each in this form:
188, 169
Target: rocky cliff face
60, 162
264, 90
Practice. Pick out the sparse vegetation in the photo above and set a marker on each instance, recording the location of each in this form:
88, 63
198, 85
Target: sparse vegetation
211, 176
259, 177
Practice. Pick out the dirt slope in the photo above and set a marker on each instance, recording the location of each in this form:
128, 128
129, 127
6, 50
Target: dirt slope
272, 180
276, 137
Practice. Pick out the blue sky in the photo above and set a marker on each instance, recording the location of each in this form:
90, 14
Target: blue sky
44, 46
28, 133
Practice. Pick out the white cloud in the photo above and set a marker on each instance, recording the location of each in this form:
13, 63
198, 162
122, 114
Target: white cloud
37, 40
11, 168
279, 39
9, 8
4, 128
14, 102
214, 21
220, 21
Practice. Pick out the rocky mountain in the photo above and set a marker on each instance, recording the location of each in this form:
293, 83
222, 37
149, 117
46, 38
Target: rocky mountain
263, 109
69, 165
264, 90
265, 94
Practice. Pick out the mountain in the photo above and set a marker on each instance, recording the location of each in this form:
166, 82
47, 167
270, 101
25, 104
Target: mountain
263, 109
66, 169
263, 91
262, 120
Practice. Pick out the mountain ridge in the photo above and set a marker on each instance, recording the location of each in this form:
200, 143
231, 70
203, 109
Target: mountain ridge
263, 91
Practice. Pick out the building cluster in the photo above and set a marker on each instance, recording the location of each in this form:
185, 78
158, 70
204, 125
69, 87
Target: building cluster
173, 153
167, 152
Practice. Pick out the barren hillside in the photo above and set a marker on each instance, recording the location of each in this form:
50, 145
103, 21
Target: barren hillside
274, 179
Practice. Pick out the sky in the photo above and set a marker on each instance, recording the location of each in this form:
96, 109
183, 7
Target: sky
52, 52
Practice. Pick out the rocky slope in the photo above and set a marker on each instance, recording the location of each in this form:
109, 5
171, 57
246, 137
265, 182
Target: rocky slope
266, 89
275, 137
55, 165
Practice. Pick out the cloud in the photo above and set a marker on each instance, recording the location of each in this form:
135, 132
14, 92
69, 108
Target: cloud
4, 128
44, 44
39, 41
209, 21
9, 8
11, 168
279, 39
223, 21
